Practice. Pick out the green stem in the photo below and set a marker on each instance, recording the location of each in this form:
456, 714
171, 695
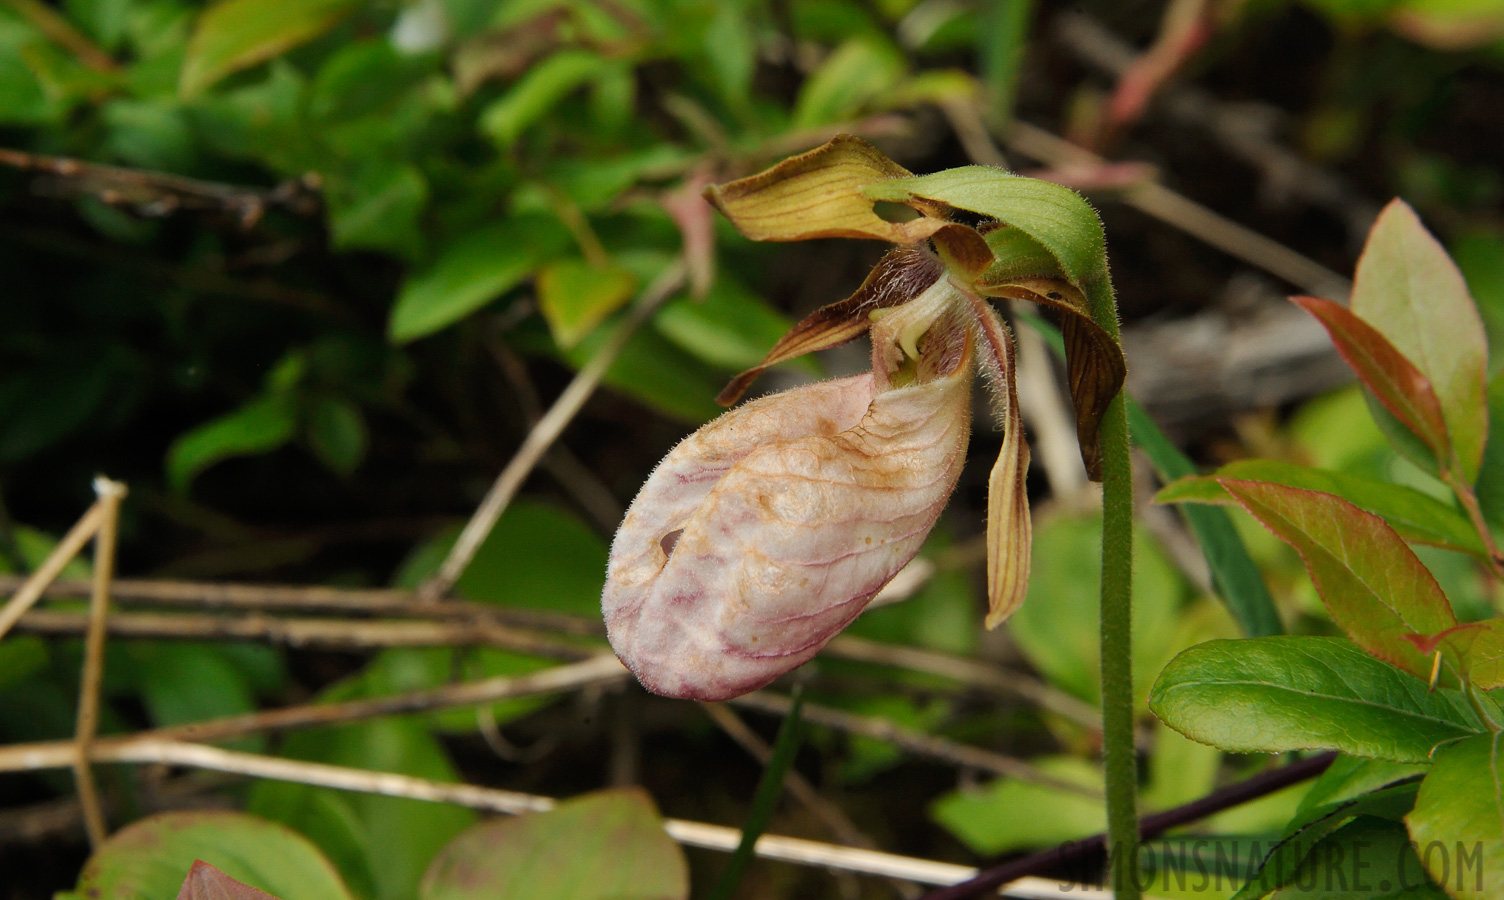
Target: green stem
769, 789
1118, 756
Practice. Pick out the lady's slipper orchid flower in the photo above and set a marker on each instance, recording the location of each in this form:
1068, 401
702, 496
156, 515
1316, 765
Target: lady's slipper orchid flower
763, 534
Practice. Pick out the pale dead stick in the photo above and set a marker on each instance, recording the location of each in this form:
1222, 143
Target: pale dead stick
110, 494
61, 555
695, 834
543, 435
1154, 199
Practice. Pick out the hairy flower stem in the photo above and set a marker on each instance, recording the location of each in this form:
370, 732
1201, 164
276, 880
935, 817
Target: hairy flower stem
1117, 646
1118, 759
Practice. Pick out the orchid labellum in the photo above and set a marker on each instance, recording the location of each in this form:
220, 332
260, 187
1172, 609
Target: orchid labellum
763, 534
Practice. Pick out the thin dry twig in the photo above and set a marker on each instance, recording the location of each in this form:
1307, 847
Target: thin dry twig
696, 834
830, 815
596, 671
916, 742
110, 494
1247, 132
1177, 210
1043, 406
543, 435
161, 193
971, 672
324, 634
33, 587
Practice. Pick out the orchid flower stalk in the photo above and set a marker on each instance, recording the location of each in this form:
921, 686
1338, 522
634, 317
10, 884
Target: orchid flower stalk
763, 534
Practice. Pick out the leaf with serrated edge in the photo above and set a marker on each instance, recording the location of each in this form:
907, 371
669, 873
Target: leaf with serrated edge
1458, 820
1416, 516
1374, 586
1410, 291
204, 882
1281, 693
1403, 389
818, 194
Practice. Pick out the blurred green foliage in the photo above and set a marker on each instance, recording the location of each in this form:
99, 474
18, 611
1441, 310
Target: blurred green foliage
398, 205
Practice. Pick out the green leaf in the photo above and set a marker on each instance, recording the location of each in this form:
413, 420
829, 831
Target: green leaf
1349, 777
1239, 583
378, 209
731, 53
1002, 36
609, 845
1057, 626
856, 73
540, 557
148, 859
1008, 814
1055, 216
1414, 515
654, 371
1370, 858
1391, 378
730, 327
1458, 822
1274, 694
363, 78
537, 92
1490, 485
472, 272
237, 34
1479, 254
1408, 288
1374, 586
575, 296
260, 426
382, 844
336, 432
180, 683
20, 656
1283, 866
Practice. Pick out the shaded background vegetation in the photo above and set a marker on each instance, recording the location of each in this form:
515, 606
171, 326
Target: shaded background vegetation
407, 227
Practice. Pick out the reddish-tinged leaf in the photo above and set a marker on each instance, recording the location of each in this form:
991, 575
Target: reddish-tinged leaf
1395, 381
1477, 648
204, 882
818, 194
1010, 532
609, 845
1410, 291
1374, 586
1093, 360
897, 278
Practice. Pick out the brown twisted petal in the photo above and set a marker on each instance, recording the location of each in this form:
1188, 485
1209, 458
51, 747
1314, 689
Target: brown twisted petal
1094, 360
766, 532
1010, 532
900, 276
